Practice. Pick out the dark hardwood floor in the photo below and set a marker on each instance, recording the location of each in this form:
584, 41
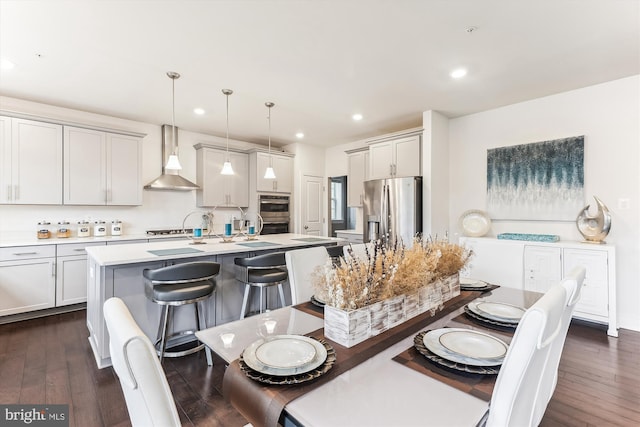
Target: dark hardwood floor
48, 360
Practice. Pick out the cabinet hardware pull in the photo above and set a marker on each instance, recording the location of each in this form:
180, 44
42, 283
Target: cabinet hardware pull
9, 193
80, 250
53, 269
24, 253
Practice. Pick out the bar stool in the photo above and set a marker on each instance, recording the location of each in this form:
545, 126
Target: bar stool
261, 271
175, 285
335, 252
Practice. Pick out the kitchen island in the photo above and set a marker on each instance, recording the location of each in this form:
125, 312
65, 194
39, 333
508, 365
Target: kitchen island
117, 271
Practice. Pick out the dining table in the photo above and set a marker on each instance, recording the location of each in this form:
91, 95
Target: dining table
383, 381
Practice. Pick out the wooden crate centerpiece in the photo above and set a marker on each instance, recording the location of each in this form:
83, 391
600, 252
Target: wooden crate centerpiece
366, 295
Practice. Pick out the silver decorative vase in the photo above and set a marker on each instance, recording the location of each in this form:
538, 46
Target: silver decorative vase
594, 229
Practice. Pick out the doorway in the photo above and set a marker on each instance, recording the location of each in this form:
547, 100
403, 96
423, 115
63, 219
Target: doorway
341, 215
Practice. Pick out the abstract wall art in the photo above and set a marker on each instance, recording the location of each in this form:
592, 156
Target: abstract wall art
541, 181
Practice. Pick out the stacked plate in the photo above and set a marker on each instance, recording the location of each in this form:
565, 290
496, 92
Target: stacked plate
496, 313
469, 284
464, 349
285, 355
318, 300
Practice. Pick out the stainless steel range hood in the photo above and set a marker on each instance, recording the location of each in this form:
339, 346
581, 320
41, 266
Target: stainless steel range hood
170, 179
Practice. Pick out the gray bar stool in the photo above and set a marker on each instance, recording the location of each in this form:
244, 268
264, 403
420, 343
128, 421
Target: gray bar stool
335, 252
261, 271
175, 285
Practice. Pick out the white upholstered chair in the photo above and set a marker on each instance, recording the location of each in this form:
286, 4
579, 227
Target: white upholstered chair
520, 394
144, 384
573, 285
302, 264
358, 250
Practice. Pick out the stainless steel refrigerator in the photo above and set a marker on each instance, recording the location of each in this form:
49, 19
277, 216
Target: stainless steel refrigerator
393, 209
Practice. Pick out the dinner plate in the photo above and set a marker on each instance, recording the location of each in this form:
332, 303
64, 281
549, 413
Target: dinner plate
316, 301
296, 378
497, 311
466, 346
468, 282
490, 322
418, 343
285, 355
475, 223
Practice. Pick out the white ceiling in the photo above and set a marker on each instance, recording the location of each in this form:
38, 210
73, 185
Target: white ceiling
318, 61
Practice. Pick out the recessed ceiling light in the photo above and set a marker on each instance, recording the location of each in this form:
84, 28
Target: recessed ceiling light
5, 64
198, 111
299, 135
357, 117
459, 73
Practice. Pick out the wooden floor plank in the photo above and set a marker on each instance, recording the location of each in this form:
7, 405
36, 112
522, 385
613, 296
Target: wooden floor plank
49, 360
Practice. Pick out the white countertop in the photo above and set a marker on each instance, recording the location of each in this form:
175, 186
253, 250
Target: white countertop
26, 239
140, 252
358, 233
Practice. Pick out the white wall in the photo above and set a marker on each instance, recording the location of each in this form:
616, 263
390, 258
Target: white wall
608, 115
159, 208
435, 173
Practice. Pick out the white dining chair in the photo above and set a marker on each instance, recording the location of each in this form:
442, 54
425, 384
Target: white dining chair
357, 250
302, 264
519, 396
144, 384
573, 285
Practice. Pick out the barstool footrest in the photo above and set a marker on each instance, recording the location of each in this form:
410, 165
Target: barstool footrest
179, 353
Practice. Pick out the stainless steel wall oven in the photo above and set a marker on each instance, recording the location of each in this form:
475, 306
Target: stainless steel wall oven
274, 211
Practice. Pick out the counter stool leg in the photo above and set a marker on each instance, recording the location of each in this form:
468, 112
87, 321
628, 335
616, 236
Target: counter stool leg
168, 317
281, 292
201, 320
243, 310
261, 300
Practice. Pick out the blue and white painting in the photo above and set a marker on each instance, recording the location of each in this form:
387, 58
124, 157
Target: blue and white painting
537, 181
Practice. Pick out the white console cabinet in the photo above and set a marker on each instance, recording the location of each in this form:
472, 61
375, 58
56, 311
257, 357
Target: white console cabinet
536, 266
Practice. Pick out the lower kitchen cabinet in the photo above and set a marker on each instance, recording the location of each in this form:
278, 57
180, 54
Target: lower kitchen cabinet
71, 273
27, 278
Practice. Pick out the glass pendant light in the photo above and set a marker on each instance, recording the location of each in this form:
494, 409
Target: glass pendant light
173, 163
269, 173
227, 169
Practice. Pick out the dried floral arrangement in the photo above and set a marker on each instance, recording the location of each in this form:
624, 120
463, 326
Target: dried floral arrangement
387, 271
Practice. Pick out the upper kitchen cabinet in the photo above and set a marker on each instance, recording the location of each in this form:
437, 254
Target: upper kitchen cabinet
395, 158
282, 164
221, 190
358, 165
101, 168
30, 162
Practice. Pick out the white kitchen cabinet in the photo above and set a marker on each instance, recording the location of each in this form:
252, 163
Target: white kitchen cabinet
221, 190
282, 166
101, 168
358, 164
395, 158
27, 278
537, 266
71, 273
30, 162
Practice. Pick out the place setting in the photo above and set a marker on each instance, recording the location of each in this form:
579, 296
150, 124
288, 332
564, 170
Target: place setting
495, 314
462, 350
470, 284
287, 359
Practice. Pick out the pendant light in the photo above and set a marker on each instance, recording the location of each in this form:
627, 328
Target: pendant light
173, 163
269, 173
227, 169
